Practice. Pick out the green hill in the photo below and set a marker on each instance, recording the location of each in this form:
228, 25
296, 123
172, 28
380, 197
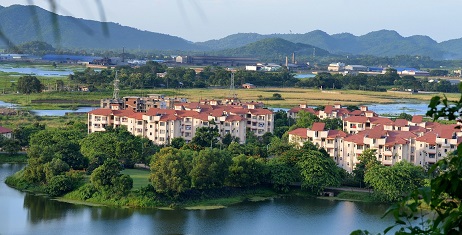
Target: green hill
22, 24
275, 49
378, 43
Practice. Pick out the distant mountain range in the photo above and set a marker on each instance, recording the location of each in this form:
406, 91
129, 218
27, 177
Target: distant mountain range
22, 24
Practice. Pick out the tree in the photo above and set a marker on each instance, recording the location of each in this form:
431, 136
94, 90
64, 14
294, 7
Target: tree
23, 132
391, 183
209, 168
304, 120
333, 124
11, 146
206, 137
115, 143
318, 171
282, 172
246, 171
29, 84
367, 160
404, 116
178, 142
108, 179
170, 169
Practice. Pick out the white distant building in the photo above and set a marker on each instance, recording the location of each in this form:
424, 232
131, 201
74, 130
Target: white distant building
336, 67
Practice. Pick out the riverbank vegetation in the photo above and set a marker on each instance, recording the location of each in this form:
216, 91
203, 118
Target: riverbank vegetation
12, 158
98, 167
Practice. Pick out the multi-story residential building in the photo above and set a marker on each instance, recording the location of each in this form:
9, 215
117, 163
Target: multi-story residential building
162, 125
333, 111
390, 146
330, 111
356, 124
142, 104
421, 143
436, 144
330, 140
293, 112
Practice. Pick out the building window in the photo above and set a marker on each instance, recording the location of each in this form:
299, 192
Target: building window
161, 123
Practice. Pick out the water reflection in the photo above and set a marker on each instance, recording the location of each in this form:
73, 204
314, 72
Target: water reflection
41, 209
106, 213
29, 214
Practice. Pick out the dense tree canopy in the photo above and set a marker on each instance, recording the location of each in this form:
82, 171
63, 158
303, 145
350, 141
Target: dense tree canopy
318, 171
391, 183
29, 84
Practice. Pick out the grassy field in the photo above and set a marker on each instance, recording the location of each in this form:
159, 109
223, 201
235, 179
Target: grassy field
291, 96
50, 121
140, 177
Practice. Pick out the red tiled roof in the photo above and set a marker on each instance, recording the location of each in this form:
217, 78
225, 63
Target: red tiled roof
299, 132
4, 130
429, 137
356, 113
417, 119
417, 129
328, 108
401, 122
446, 131
234, 118
137, 116
318, 126
168, 117
101, 111
358, 119
394, 140
336, 133
357, 138
260, 111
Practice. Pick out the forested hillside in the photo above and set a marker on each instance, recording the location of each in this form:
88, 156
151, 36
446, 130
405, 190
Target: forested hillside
21, 24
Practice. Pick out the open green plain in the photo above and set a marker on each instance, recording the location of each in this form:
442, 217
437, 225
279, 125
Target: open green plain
291, 96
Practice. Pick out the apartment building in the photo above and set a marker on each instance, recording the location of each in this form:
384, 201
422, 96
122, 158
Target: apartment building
436, 144
330, 111
330, 140
421, 143
162, 125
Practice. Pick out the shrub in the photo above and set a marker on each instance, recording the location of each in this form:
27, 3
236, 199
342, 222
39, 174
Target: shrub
59, 185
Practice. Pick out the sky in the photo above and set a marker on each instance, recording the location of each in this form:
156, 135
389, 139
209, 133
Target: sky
202, 20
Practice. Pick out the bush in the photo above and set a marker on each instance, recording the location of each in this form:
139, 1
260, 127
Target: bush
59, 185
86, 192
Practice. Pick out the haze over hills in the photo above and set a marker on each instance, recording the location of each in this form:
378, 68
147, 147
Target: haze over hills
22, 24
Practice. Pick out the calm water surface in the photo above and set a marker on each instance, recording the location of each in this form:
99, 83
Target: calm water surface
23, 213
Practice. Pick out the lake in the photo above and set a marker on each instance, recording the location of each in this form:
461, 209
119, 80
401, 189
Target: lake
406, 106
402, 106
36, 71
24, 213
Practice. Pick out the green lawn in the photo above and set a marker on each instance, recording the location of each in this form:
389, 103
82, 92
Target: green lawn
140, 177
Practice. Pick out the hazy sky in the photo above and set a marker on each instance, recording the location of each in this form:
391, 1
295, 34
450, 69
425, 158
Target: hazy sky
201, 20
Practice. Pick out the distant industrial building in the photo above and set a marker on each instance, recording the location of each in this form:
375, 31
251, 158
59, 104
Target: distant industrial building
215, 60
336, 67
